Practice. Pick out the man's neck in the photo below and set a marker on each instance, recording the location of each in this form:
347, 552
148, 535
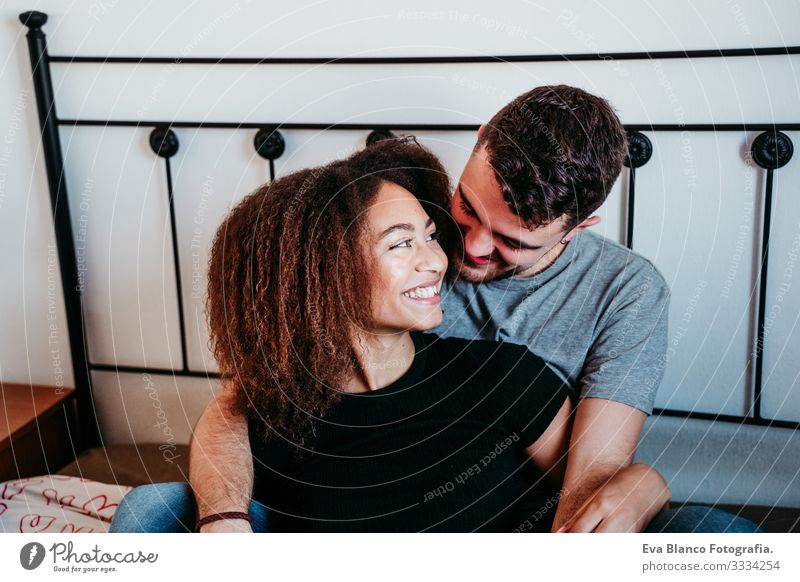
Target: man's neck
382, 360
544, 263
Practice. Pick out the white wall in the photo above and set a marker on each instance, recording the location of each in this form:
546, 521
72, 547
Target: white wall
697, 199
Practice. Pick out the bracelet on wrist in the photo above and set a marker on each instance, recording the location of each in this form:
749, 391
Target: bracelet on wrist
220, 516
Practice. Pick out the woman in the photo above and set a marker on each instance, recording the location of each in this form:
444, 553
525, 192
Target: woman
319, 285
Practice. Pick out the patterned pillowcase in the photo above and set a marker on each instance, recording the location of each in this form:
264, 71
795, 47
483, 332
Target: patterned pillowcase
58, 504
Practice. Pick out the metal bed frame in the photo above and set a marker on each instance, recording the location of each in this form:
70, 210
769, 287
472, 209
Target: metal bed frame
771, 150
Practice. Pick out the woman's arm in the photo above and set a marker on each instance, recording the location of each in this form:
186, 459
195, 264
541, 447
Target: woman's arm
221, 464
549, 452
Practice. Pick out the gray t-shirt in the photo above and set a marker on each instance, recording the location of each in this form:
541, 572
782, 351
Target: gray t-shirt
597, 316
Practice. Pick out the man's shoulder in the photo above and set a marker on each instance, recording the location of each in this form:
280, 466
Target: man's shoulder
618, 262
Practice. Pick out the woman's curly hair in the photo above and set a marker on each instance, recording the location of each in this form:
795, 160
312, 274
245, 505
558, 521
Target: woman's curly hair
289, 281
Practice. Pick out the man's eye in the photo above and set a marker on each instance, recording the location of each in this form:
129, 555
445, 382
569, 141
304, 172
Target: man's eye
436, 235
464, 208
512, 247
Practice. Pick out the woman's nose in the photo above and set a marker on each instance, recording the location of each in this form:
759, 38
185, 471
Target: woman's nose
432, 258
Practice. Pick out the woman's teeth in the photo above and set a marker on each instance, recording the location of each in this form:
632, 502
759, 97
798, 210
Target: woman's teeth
422, 293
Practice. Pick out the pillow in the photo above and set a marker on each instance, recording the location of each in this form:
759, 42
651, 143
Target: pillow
58, 504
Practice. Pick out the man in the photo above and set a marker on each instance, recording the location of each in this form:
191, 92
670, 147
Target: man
528, 271
531, 273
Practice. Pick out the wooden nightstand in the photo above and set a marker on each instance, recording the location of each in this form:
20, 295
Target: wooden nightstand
37, 430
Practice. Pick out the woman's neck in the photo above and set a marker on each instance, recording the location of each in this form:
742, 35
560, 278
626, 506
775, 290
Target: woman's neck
382, 360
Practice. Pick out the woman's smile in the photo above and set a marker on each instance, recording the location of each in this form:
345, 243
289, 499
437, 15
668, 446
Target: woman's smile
424, 293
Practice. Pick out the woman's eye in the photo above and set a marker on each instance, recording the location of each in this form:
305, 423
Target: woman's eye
402, 244
405, 244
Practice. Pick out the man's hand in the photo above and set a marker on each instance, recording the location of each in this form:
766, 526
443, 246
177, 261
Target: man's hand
604, 436
626, 503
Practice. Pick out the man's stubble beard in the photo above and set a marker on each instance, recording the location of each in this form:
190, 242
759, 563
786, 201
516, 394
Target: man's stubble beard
459, 269
463, 271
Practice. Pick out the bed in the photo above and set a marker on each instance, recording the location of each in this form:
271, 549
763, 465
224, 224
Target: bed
83, 496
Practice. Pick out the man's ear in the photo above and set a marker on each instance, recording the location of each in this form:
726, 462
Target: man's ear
591, 221
480, 130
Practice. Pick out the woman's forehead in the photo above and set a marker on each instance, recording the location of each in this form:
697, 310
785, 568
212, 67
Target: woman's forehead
394, 203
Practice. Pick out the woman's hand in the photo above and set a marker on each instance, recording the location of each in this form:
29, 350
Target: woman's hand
626, 503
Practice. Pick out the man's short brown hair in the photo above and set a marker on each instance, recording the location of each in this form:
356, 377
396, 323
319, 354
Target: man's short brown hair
555, 150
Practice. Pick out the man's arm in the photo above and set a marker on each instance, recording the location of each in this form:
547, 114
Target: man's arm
604, 436
621, 373
599, 475
221, 463
626, 503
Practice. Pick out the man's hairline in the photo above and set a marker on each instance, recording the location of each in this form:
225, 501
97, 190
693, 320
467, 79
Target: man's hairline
478, 146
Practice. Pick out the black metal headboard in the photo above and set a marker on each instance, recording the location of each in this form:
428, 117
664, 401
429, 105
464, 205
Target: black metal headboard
771, 150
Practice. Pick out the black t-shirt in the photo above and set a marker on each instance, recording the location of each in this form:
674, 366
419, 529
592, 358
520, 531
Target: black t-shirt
437, 450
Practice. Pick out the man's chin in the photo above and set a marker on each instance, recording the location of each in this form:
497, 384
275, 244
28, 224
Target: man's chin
474, 274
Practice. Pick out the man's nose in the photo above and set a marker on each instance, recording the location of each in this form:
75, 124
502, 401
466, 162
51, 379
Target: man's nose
478, 242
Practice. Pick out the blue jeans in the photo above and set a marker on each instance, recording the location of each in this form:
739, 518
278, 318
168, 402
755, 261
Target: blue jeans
170, 508
697, 519
167, 508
